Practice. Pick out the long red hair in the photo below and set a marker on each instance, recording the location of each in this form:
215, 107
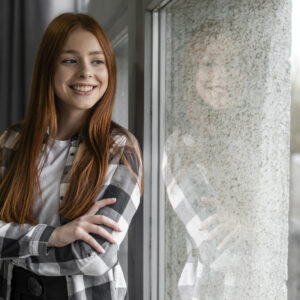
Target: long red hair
21, 179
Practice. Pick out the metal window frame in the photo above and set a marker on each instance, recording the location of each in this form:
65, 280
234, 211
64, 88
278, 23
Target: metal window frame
154, 209
146, 88
158, 138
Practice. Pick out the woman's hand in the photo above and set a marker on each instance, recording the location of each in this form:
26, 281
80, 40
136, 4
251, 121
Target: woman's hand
80, 228
223, 227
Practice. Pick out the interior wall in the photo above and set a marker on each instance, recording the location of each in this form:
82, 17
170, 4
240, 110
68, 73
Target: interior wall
108, 13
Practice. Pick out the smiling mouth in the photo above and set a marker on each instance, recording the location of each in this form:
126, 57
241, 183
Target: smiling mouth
83, 88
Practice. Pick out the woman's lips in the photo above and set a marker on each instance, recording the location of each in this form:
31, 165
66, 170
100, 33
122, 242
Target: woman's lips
83, 89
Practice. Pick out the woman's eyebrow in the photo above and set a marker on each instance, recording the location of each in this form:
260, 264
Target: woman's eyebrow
76, 52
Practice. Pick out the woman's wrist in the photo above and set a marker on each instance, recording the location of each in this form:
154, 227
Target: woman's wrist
51, 241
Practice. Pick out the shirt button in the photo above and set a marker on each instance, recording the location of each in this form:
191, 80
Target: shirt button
61, 197
72, 154
34, 286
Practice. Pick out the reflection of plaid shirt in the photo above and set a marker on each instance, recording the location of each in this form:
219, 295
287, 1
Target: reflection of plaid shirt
89, 275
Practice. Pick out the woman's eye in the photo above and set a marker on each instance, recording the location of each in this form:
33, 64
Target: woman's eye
98, 61
73, 61
69, 61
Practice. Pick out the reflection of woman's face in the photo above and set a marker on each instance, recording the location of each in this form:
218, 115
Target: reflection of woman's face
212, 76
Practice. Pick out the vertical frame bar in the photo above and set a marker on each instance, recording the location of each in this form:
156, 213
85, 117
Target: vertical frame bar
161, 134
136, 35
147, 155
157, 99
146, 89
158, 136
155, 157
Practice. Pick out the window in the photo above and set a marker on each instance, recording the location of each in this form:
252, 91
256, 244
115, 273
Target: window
220, 147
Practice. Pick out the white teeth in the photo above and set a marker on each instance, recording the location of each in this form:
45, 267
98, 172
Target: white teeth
82, 88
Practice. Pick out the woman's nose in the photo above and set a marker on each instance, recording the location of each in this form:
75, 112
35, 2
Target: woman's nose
85, 74
85, 71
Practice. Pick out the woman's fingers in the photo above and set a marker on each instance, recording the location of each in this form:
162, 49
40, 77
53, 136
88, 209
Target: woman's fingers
208, 200
228, 238
92, 228
209, 221
99, 219
93, 243
217, 230
80, 228
99, 204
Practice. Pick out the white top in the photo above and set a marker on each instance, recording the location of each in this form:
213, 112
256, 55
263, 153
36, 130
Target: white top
50, 178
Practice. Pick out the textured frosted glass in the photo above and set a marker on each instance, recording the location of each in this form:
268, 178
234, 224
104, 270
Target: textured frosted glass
226, 154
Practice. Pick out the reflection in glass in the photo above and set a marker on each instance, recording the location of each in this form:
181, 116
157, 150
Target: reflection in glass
225, 149
190, 163
215, 79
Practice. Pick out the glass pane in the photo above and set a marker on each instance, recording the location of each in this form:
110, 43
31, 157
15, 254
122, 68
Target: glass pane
201, 98
225, 154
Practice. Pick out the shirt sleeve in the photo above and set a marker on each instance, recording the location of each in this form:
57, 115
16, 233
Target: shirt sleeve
19, 241
79, 257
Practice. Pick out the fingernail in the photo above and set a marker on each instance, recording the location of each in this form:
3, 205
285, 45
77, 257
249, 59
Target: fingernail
114, 199
119, 229
102, 250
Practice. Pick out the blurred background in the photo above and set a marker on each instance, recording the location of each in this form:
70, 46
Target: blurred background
22, 26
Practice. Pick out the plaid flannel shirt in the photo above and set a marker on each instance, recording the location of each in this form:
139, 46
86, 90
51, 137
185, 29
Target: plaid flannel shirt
89, 275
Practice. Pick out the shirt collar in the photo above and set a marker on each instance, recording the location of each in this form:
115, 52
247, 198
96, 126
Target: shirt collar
77, 138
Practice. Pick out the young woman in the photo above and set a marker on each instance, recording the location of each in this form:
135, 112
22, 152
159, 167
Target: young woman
71, 178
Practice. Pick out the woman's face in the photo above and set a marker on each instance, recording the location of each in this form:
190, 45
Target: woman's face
212, 77
81, 75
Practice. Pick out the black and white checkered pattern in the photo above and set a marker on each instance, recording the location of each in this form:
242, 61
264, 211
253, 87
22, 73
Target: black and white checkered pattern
89, 275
